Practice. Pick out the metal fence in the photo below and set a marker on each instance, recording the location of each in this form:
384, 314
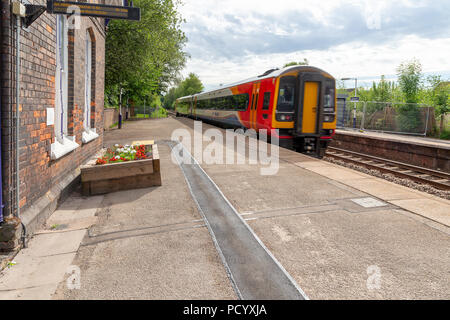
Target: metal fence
143, 111
393, 117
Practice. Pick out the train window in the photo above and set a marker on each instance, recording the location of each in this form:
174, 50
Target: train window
329, 100
220, 104
243, 101
228, 103
237, 102
286, 94
266, 101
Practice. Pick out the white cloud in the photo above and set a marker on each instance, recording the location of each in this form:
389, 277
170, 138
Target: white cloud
233, 40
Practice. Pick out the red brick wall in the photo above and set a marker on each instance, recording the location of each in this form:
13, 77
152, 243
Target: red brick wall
38, 173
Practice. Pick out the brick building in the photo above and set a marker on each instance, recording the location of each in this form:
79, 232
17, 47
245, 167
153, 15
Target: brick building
61, 108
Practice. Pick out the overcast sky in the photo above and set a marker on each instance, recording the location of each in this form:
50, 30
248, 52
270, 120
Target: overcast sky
231, 40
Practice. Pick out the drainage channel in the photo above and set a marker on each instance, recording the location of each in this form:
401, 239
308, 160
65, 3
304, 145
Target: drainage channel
254, 272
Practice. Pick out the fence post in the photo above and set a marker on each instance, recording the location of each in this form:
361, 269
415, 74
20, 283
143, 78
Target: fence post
426, 123
363, 116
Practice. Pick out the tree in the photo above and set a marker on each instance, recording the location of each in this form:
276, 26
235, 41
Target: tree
143, 57
305, 62
189, 86
437, 94
409, 79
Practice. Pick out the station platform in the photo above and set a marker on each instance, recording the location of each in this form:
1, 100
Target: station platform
333, 232
327, 225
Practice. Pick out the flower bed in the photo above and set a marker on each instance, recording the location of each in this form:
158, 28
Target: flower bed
122, 168
120, 153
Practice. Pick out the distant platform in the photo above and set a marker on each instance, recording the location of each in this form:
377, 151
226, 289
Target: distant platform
419, 151
398, 137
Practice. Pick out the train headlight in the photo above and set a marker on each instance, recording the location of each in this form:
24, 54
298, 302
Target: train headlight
284, 117
328, 118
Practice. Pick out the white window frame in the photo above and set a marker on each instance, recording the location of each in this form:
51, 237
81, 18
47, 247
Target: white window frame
89, 133
87, 82
63, 143
61, 78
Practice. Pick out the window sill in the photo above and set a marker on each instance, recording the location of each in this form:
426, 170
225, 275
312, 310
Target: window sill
59, 149
88, 136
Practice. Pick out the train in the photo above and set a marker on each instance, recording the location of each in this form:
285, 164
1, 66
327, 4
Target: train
299, 101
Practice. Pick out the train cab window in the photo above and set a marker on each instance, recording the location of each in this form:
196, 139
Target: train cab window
286, 94
266, 101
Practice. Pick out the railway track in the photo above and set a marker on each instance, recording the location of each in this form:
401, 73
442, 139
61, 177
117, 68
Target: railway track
437, 179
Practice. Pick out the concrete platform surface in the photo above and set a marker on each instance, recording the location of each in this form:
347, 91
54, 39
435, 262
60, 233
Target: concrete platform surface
41, 266
332, 253
340, 234
149, 243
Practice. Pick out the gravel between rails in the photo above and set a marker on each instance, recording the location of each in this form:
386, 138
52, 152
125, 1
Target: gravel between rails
389, 177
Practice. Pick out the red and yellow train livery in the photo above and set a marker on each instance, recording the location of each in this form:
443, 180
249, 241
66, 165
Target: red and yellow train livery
299, 101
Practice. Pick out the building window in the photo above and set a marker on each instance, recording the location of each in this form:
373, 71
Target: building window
89, 133
63, 143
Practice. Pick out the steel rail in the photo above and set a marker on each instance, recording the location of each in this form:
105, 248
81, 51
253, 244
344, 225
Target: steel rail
438, 179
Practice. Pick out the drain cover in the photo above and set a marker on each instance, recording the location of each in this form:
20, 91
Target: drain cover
369, 202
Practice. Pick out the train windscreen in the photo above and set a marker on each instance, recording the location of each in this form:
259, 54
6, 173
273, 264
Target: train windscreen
286, 94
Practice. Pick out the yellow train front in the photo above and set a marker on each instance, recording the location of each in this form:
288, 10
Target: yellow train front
299, 101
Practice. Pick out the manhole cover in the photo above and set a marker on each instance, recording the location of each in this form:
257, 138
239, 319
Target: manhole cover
369, 202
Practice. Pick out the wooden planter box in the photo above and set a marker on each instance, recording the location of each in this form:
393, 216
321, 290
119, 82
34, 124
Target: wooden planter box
101, 179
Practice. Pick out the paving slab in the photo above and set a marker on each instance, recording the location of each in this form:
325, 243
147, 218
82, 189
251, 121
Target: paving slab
331, 254
433, 209
149, 243
42, 266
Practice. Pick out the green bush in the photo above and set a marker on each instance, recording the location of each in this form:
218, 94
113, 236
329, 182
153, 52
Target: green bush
159, 113
408, 118
445, 135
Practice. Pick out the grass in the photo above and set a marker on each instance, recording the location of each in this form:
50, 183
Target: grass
114, 125
141, 116
157, 114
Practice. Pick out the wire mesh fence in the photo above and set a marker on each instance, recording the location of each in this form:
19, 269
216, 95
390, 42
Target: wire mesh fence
393, 117
143, 111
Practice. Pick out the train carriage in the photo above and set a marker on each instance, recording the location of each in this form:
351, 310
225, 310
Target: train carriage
299, 101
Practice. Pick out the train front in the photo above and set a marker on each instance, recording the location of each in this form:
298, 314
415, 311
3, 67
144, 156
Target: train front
305, 110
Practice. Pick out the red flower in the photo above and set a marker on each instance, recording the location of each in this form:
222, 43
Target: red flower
100, 161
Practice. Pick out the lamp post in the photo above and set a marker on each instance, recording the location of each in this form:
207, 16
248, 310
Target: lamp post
120, 109
354, 103
128, 106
